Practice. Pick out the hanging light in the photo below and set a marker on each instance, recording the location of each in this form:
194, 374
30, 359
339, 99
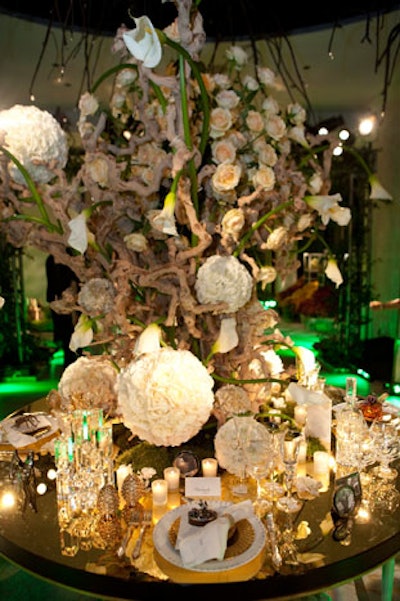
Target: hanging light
366, 125
338, 150
344, 134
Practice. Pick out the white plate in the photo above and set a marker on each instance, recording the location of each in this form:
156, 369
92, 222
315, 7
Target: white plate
166, 550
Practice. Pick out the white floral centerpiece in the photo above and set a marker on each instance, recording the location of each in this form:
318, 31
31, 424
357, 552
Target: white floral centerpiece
192, 192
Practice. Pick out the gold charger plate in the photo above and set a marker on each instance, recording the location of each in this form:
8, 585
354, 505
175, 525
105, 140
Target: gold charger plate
243, 558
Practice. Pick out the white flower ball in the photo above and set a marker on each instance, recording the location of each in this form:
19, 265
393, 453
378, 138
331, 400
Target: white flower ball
87, 383
238, 436
165, 396
36, 139
224, 279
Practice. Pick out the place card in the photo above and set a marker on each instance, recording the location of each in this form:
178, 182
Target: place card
203, 487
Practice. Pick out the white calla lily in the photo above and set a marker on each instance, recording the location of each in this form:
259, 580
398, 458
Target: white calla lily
83, 333
378, 192
306, 357
143, 42
164, 221
328, 208
78, 238
228, 338
149, 340
332, 272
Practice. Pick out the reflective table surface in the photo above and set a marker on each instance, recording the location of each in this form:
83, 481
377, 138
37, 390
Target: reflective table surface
33, 540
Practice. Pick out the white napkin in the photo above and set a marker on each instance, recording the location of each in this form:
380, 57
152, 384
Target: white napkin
199, 544
19, 437
319, 412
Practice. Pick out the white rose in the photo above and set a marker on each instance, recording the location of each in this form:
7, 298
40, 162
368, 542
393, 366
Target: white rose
233, 222
227, 99
226, 177
264, 177
277, 238
220, 122
275, 127
88, 104
136, 242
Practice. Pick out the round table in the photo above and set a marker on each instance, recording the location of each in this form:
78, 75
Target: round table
31, 539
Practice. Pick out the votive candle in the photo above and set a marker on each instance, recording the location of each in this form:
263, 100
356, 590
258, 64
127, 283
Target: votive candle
321, 462
172, 475
209, 467
159, 489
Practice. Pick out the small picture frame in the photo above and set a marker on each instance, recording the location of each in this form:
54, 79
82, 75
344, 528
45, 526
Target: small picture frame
347, 495
346, 500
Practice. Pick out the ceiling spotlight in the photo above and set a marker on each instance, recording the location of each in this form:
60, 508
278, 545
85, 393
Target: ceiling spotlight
337, 151
323, 131
366, 125
344, 134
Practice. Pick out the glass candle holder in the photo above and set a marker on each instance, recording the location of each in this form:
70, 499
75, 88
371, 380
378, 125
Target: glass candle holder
172, 476
209, 467
159, 489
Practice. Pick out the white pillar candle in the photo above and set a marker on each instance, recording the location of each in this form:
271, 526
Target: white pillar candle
300, 414
122, 472
209, 467
159, 489
172, 475
321, 462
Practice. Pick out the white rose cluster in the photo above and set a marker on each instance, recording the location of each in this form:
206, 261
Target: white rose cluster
165, 396
36, 139
224, 279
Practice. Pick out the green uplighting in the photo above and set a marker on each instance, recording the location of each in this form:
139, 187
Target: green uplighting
269, 304
363, 374
24, 386
339, 380
393, 400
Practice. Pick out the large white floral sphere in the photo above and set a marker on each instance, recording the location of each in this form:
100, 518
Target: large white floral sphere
224, 279
36, 139
165, 396
88, 383
237, 437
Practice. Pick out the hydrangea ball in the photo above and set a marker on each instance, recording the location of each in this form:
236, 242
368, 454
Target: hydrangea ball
165, 396
36, 139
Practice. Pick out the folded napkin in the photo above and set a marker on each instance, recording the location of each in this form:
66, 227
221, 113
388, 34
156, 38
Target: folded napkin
198, 544
319, 412
20, 433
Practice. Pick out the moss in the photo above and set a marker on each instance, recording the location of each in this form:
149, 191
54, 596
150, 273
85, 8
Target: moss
143, 454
